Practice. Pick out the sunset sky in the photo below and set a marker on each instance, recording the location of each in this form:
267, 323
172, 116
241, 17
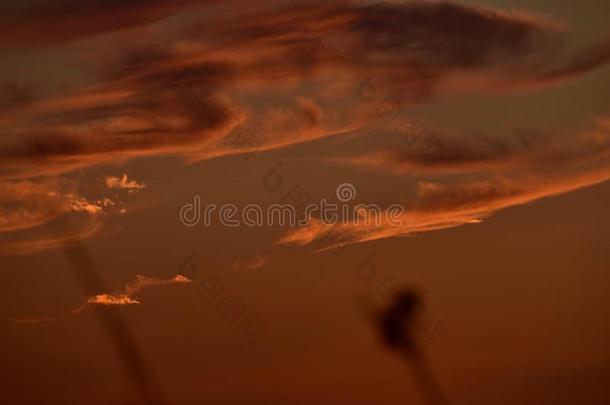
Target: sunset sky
487, 121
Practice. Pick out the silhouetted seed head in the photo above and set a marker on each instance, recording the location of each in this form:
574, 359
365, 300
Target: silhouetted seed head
398, 320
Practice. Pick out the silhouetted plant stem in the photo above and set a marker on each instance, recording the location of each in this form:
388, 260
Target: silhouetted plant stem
423, 376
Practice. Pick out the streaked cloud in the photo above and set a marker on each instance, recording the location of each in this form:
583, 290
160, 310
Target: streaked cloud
31, 208
123, 183
48, 239
49, 22
124, 298
254, 263
466, 152
28, 203
474, 191
107, 299
280, 74
183, 97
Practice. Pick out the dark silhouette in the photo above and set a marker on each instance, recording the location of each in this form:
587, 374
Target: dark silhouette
118, 331
398, 326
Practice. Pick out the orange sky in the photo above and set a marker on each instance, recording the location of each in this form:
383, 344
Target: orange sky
487, 121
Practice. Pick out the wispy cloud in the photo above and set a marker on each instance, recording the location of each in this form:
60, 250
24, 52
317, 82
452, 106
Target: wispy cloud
28, 209
124, 298
250, 264
107, 299
450, 206
123, 183
467, 152
474, 186
47, 23
28, 203
288, 73
182, 98
46, 240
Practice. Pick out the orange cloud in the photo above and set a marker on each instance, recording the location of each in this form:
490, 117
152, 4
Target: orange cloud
107, 299
450, 206
47, 240
571, 162
184, 98
63, 20
26, 203
463, 152
240, 80
143, 282
123, 183
30, 209
125, 298
250, 264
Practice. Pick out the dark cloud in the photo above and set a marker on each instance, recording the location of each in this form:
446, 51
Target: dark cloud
13, 96
175, 98
466, 152
467, 186
412, 47
140, 119
54, 21
289, 74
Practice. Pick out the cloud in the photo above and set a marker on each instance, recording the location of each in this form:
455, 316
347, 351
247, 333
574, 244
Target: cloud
125, 298
13, 96
463, 152
78, 132
107, 299
449, 206
417, 48
254, 263
183, 98
143, 282
486, 185
123, 183
26, 203
47, 213
49, 318
50, 22
242, 79
45, 239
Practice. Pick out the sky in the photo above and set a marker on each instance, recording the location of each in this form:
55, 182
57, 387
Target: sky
479, 129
